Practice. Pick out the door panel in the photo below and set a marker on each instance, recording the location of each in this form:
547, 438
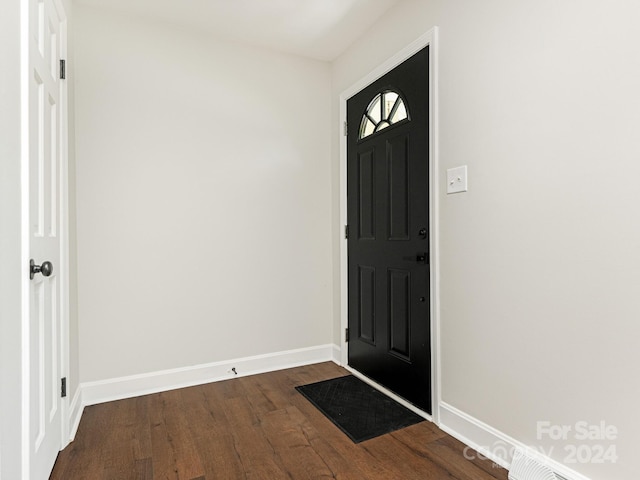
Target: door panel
399, 313
47, 31
398, 179
366, 301
366, 196
388, 201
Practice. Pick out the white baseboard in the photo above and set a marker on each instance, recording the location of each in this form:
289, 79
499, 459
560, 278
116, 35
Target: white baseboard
337, 355
144, 384
76, 408
491, 443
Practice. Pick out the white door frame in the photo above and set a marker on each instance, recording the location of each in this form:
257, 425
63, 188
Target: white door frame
63, 267
10, 243
429, 39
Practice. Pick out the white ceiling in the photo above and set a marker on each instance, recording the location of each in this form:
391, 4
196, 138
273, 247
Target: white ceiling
320, 29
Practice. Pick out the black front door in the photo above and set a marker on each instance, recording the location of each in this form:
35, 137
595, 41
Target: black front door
388, 216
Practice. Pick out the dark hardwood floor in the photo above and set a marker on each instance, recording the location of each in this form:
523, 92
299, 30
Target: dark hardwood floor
256, 427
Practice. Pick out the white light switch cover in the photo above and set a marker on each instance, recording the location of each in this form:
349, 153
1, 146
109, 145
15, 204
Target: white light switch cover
457, 179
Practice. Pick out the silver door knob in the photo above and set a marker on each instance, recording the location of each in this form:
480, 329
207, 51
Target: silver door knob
46, 269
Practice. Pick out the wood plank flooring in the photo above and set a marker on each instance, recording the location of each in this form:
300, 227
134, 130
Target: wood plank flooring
256, 427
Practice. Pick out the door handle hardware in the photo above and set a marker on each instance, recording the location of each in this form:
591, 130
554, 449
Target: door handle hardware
46, 269
421, 258
423, 233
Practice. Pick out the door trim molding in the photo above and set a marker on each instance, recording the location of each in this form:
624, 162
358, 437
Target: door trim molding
429, 39
25, 65
64, 229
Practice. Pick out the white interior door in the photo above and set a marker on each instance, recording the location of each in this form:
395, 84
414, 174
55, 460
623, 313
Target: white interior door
47, 131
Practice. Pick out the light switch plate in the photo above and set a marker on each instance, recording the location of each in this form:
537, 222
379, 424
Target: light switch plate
457, 179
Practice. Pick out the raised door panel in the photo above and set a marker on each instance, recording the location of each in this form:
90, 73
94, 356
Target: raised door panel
398, 188
366, 304
366, 195
399, 286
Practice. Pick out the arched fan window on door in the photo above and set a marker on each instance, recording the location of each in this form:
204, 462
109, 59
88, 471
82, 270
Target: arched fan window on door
386, 109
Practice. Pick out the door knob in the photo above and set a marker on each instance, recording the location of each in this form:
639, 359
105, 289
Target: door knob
421, 258
46, 269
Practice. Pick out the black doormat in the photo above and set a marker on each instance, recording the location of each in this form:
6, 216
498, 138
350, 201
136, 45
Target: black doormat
359, 410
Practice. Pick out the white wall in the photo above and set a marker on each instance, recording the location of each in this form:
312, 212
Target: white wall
203, 198
10, 244
540, 280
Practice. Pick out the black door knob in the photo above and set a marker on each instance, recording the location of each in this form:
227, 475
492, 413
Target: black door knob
46, 269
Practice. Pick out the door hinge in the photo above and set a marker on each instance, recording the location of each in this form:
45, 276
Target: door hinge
346, 334
346, 128
63, 69
63, 387
346, 231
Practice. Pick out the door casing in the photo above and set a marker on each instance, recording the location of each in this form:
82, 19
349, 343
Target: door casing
429, 39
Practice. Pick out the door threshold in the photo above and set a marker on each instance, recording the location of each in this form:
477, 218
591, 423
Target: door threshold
390, 394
